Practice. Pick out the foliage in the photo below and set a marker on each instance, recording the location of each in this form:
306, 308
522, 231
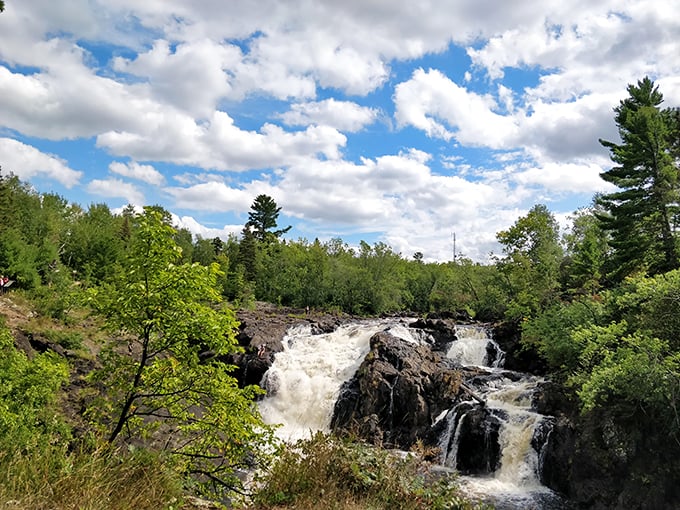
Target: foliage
550, 332
641, 215
587, 250
28, 391
165, 369
348, 475
531, 264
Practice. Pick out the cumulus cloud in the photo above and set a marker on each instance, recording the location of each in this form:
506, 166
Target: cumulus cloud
219, 144
25, 161
116, 188
434, 103
341, 115
270, 97
134, 170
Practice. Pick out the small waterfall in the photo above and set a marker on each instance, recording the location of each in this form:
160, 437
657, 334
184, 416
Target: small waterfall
515, 483
304, 381
473, 348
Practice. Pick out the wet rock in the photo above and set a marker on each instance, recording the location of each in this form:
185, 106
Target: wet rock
403, 384
479, 450
517, 357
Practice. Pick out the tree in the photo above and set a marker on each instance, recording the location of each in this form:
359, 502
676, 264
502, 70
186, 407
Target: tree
165, 369
587, 250
531, 266
640, 217
263, 217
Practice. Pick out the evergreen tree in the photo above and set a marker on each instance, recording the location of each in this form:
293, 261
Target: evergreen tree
640, 216
263, 217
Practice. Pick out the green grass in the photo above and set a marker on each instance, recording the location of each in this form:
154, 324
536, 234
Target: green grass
340, 474
51, 478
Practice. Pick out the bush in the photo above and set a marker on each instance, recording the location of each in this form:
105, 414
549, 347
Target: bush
346, 475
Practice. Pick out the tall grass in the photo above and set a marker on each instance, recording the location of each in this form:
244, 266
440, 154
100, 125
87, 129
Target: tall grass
50, 478
339, 474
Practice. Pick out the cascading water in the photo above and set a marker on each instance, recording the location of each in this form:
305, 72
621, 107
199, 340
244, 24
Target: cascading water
304, 382
514, 483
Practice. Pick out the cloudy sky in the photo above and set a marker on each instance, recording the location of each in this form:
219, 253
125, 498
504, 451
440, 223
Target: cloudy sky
395, 121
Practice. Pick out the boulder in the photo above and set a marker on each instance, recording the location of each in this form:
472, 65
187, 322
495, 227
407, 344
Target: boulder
396, 394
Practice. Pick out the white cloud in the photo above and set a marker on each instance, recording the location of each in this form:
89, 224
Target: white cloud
115, 188
26, 162
210, 196
341, 115
434, 103
219, 144
197, 228
191, 78
134, 170
565, 178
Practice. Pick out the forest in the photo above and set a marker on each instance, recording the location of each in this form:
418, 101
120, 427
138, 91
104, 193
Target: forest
598, 305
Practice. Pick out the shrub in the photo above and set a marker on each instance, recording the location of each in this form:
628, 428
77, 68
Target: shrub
347, 475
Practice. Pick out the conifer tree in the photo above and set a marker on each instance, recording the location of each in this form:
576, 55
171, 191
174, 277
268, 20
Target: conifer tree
640, 215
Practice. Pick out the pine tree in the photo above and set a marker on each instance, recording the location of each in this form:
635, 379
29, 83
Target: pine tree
640, 216
262, 218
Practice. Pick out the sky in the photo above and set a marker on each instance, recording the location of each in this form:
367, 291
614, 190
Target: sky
403, 122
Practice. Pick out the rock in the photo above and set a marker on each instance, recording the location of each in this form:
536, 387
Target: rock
517, 357
403, 384
478, 446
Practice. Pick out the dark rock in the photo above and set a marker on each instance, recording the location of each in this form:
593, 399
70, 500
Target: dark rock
553, 399
442, 331
517, 357
478, 446
403, 384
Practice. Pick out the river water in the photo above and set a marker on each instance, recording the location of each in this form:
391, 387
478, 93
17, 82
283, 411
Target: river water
304, 382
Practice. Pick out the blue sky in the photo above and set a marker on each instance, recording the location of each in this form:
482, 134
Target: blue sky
398, 122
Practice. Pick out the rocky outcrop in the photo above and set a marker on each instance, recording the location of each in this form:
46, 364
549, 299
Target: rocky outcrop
396, 394
261, 332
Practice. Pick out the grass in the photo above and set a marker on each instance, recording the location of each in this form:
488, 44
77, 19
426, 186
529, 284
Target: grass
53, 479
340, 474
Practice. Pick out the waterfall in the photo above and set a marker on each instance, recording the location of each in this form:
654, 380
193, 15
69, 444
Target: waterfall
515, 483
304, 381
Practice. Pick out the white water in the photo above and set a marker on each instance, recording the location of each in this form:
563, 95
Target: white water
304, 381
471, 347
515, 483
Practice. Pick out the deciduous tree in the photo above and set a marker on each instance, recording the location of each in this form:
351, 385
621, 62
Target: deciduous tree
165, 370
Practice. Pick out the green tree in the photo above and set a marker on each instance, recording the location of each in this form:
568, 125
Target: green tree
532, 262
640, 216
165, 370
587, 251
263, 218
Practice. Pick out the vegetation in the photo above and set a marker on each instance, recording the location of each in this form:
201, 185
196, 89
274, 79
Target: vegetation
348, 475
600, 305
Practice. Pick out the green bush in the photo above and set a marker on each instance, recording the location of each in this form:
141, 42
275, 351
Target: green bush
67, 339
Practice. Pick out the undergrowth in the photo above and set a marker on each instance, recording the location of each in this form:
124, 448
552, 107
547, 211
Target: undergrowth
52, 479
340, 474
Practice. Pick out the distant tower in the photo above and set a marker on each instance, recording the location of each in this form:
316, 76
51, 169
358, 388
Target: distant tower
453, 235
